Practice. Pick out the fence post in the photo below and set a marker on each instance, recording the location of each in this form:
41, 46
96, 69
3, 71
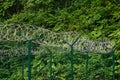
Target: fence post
113, 61
71, 61
50, 65
29, 52
29, 59
86, 65
71, 56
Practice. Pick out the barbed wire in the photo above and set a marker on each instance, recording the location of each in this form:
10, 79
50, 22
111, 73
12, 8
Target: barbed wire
11, 32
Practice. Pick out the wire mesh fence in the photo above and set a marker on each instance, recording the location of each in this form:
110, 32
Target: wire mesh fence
28, 60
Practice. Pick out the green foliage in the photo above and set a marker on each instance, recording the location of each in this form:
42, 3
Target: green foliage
10, 7
100, 66
98, 19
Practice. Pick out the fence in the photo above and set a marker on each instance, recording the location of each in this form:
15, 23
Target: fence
32, 60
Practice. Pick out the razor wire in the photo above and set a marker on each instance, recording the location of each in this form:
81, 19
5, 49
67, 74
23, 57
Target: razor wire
12, 32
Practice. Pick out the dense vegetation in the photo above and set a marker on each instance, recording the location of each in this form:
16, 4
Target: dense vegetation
96, 19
